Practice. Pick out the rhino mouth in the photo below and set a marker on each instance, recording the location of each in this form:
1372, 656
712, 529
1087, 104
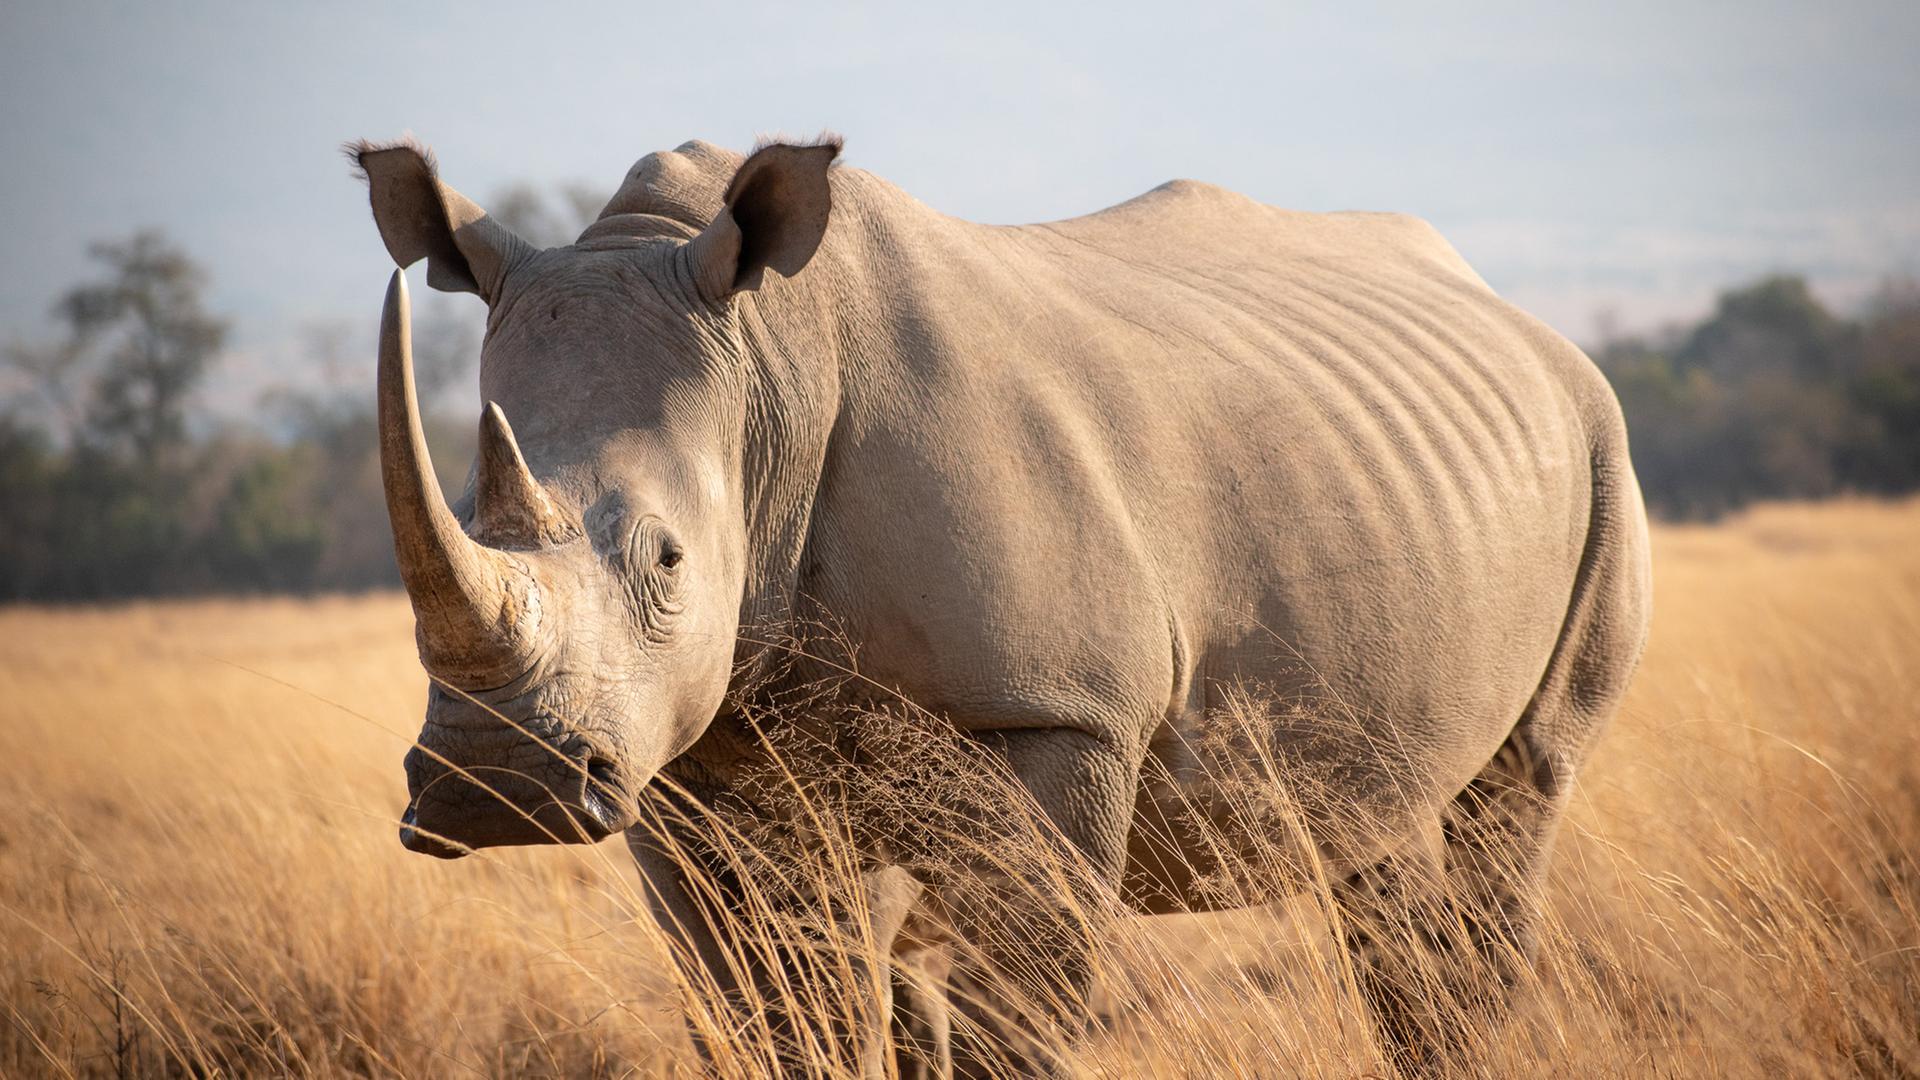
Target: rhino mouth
453, 811
420, 841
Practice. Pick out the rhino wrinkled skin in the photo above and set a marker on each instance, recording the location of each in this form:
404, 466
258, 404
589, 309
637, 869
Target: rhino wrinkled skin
1064, 485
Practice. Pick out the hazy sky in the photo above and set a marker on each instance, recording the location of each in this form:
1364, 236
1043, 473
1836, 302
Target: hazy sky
1630, 156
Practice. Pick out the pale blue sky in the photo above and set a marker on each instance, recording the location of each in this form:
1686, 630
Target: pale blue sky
1629, 156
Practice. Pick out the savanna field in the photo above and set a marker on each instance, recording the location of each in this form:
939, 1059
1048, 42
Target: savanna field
199, 873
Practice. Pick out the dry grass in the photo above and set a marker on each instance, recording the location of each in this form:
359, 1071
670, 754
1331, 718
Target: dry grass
198, 870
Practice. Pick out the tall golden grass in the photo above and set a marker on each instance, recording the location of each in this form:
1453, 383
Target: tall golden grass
199, 874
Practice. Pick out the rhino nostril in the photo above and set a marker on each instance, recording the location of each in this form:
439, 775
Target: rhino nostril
603, 772
604, 798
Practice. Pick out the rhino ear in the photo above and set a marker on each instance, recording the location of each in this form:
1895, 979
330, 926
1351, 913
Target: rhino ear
420, 217
775, 215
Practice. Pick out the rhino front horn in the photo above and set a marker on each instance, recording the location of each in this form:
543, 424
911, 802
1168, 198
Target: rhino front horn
477, 609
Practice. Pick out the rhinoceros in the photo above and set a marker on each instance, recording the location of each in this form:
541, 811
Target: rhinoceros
1064, 486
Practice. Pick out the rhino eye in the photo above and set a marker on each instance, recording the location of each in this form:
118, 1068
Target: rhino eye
670, 553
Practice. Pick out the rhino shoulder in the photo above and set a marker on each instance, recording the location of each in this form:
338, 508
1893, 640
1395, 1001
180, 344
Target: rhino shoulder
1399, 237
1175, 198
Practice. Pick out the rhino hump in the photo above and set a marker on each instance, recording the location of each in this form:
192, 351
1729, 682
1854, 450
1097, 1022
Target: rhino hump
685, 184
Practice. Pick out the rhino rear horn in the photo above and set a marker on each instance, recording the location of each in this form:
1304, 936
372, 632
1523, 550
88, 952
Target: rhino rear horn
476, 609
511, 508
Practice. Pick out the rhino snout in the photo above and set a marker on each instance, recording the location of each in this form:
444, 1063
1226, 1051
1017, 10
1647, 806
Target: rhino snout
496, 792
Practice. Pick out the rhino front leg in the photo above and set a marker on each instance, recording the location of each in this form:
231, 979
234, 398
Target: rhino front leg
668, 858
818, 1009
1021, 966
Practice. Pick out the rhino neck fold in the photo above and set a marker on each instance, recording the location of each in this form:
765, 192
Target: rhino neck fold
792, 336
809, 347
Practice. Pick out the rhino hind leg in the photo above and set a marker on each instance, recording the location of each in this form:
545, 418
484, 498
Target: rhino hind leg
1388, 914
921, 1029
1499, 839
1439, 945
1440, 935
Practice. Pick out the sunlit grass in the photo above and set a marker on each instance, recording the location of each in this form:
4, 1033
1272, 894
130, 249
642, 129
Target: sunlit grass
199, 872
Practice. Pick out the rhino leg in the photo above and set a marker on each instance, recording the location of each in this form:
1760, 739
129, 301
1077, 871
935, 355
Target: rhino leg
1439, 944
892, 893
922, 1033
1022, 962
1499, 838
1389, 922
665, 856
695, 897
1478, 930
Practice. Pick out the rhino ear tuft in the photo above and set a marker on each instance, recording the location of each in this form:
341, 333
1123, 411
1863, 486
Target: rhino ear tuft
421, 218
775, 216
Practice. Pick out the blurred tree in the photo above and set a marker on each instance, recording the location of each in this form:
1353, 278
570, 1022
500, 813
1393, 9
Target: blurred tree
547, 219
1774, 324
269, 528
1885, 453
46, 388
29, 470
1676, 420
113, 486
113, 514
1774, 396
137, 345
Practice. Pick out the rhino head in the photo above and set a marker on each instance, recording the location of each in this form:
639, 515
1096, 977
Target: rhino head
577, 608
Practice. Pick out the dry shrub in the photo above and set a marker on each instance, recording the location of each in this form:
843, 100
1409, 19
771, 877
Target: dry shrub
198, 873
